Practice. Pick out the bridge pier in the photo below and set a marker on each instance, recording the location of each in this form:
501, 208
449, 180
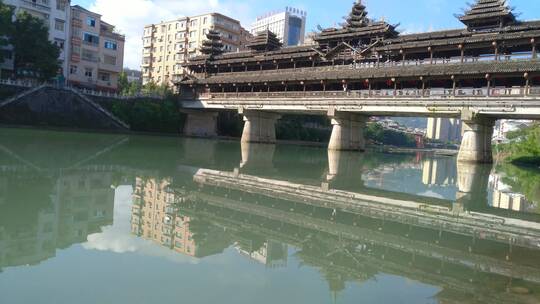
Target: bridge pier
259, 127
476, 142
201, 124
347, 131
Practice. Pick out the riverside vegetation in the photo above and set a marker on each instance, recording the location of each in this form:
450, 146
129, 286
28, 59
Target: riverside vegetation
523, 148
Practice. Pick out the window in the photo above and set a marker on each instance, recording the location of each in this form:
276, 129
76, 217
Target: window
193, 22
73, 69
90, 39
111, 45
8, 55
90, 21
192, 34
88, 72
89, 55
205, 19
104, 77
61, 5
59, 43
109, 60
59, 25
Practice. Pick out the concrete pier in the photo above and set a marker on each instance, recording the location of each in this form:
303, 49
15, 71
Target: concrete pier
347, 131
476, 143
259, 127
201, 124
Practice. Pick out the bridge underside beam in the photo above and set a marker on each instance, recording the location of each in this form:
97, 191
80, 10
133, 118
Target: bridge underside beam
259, 127
347, 131
476, 142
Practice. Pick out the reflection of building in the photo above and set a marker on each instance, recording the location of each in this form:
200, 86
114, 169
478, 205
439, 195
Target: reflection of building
86, 204
169, 44
272, 254
444, 129
439, 171
155, 217
97, 51
504, 198
55, 214
288, 25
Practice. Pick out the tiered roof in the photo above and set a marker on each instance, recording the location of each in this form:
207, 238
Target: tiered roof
488, 12
264, 41
358, 26
213, 46
358, 16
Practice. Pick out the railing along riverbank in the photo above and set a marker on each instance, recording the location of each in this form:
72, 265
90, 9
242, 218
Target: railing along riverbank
85, 91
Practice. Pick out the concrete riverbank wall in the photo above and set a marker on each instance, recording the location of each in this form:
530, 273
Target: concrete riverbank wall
56, 108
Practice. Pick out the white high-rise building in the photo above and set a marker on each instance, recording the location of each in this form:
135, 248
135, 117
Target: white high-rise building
55, 14
289, 25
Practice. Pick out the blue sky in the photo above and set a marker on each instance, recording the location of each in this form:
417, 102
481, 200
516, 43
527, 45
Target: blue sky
413, 15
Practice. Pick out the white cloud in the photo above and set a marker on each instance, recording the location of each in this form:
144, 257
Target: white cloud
130, 17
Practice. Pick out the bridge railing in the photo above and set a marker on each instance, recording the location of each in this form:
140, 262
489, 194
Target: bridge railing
403, 93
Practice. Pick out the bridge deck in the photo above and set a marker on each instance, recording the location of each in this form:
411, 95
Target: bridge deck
498, 102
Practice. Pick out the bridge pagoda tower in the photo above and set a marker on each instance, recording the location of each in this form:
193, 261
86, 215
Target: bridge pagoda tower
488, 14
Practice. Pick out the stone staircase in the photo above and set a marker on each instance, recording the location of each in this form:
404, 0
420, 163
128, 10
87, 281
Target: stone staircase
21, 95
67, 95
99, 108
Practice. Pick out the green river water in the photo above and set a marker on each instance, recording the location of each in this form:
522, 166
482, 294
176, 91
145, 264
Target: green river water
94, 218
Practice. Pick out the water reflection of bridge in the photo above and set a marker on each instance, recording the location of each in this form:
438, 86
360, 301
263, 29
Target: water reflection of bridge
352, 248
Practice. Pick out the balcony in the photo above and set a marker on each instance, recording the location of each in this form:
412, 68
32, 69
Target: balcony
92, 44
35, 6
76, 22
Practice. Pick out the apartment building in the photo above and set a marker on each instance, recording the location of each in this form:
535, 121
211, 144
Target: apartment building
168, 45
97, 51
56, 15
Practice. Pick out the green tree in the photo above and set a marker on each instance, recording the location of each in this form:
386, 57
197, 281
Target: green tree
134, 88
153, 88
33, 50
123, 84
6, 26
